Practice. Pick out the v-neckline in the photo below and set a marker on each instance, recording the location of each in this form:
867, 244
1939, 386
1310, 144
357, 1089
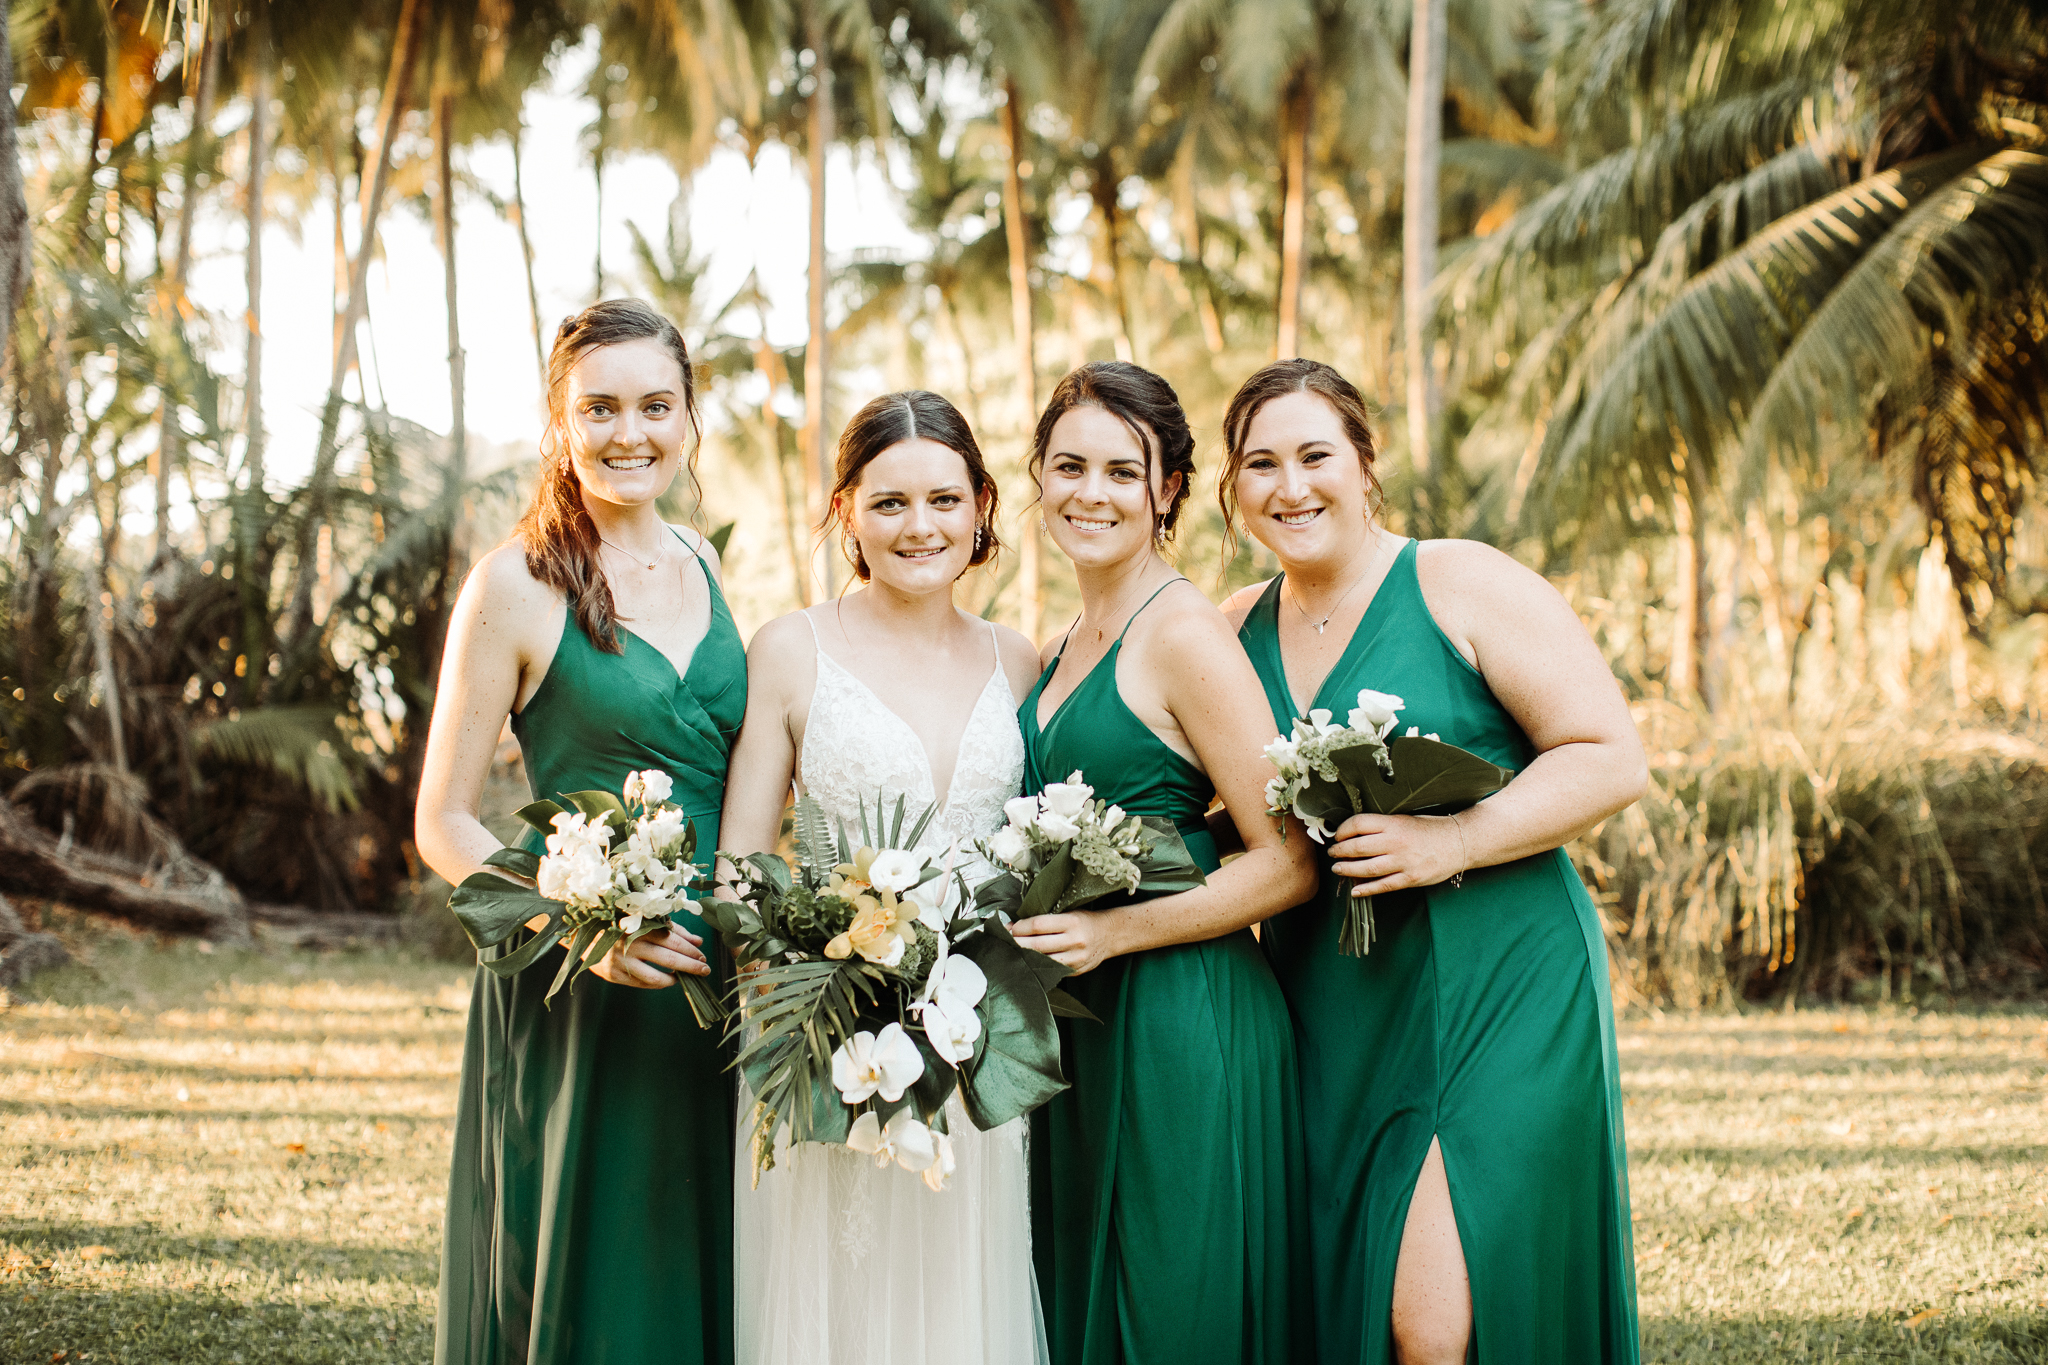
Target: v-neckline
1351, 647
939, 807
710, 624
1038, 698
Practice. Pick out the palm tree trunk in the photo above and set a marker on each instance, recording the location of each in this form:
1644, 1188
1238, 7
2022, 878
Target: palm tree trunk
1690, 630
405, 48
1187, 209
1105, 186
1300, 112
1418, 256
171, 298
540, 358
458, 435
1030, 569
817, 473
14, 230
252, 384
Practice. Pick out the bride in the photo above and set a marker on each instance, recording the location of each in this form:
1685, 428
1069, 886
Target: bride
892, 690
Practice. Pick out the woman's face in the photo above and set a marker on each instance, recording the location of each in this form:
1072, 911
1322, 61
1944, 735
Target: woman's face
1093, 487
624, 422
1301, 488
913, 515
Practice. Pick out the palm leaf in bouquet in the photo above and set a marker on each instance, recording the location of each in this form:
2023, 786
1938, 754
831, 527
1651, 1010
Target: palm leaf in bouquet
606, 896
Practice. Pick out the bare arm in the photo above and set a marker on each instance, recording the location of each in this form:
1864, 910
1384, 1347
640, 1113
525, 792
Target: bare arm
781, 666
1216, 698
1534, 653
494, 637
494, 658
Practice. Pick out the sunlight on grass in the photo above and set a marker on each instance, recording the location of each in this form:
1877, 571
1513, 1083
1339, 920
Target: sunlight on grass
242, 1157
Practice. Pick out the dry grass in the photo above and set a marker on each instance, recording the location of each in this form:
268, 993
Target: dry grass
242, 1157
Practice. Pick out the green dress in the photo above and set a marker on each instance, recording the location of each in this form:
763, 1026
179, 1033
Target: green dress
1166, 1184
590, 1205
1481, 1016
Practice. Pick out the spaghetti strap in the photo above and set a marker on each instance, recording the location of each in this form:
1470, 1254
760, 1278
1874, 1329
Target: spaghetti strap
1146, 603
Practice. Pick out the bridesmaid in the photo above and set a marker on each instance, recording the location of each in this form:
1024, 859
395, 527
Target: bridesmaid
590, 1206
1468, 1181
1166, 1191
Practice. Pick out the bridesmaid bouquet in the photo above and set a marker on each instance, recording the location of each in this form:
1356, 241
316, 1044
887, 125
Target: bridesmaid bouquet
592, 895
1065, 850
877, 989
1329, 773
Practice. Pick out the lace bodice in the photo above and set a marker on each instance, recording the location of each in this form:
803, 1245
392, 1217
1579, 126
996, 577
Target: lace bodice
855, 748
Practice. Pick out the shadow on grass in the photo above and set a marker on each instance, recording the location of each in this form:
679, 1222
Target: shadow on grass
1949, 1337
200, 1327
136, 1245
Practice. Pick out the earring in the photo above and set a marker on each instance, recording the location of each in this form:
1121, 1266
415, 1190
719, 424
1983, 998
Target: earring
1159, 534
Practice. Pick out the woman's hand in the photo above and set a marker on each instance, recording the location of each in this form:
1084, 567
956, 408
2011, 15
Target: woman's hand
648, 962
1081, 940
1395, 852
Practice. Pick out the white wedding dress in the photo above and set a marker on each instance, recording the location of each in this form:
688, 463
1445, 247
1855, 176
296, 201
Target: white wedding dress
836, 1261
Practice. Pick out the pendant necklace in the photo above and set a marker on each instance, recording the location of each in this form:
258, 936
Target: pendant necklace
1338, 606
628, 553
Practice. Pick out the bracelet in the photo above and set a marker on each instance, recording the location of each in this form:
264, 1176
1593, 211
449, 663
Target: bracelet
1464, 856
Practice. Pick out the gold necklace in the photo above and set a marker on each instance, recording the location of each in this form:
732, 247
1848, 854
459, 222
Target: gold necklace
628, 553
1295, 596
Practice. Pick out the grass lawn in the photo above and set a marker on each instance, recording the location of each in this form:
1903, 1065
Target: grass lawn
241, 1157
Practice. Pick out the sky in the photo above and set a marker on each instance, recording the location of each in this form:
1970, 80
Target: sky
736, 221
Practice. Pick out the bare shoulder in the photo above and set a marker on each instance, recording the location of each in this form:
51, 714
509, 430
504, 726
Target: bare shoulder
703, 546
1473, 575
784, 640
1183, 623
1018, 655
501, 582
1239, 604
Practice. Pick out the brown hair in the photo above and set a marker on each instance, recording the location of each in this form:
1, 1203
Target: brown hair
908, 416
1285, 377
1147, 405
560, 538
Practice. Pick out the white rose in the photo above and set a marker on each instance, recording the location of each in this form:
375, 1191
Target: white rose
1021, 811
886, 1063
1010, 846
1376, 711
648, 787
895, 870
1057, 827
1067, 798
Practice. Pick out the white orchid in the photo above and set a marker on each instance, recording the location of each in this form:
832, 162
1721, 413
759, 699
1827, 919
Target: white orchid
895, 870
930, 899
904, 1140
1068, 798
1376, 711
868, 1064
648, 787
936, 1174
956, 985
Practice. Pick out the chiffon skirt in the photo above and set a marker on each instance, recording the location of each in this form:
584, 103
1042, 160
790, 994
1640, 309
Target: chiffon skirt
839, 1262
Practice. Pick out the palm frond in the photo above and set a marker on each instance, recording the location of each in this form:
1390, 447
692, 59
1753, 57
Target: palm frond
298, 742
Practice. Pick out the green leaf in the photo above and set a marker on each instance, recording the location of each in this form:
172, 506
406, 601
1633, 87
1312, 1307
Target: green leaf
515, 860
1428, 775
522, 957
1045, 890
540, 814
1018, 1066
722, 537
1067, 1007
597, 805
491, 909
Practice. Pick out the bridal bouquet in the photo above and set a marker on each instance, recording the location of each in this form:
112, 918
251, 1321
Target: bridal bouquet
1065, 850
593, 895
877, 989
1328, 773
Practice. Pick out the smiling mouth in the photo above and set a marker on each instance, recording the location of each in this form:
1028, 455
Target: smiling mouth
1298, 518
625, 464
921, 554
1085, 524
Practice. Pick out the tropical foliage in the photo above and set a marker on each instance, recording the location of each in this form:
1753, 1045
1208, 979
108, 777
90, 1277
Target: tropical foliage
1738, 331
